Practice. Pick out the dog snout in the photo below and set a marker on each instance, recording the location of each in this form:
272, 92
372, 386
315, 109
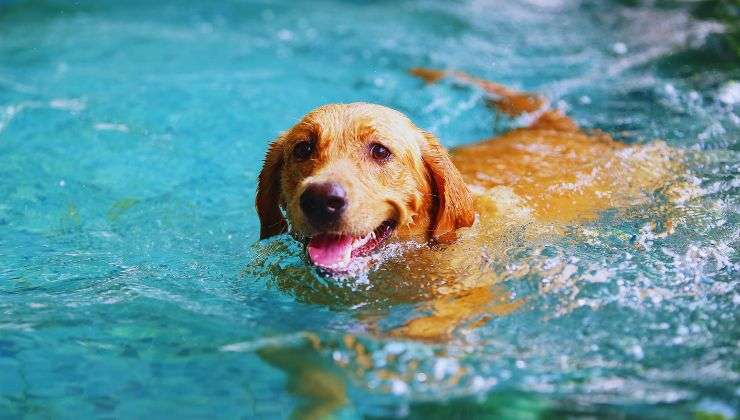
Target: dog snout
323, 204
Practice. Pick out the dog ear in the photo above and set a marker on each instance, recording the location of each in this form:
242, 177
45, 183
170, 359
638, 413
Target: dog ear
453, 203
268, 198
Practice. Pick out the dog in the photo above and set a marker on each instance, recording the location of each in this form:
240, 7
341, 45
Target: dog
350, 180
349, 177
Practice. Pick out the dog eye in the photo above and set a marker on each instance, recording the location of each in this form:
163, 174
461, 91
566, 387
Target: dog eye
303, 150
379, 152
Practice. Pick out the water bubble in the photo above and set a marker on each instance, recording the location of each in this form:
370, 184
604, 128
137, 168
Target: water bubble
729, 93
399, 387
619, 48
285, 35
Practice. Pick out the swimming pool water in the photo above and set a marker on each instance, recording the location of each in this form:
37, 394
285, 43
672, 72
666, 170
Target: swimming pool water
132, 282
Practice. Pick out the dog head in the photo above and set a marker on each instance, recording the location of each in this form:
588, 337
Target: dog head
349, 177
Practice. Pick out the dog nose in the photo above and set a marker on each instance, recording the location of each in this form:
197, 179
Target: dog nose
323, 203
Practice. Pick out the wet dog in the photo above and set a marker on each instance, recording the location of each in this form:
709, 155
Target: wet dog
351, 180
348, 179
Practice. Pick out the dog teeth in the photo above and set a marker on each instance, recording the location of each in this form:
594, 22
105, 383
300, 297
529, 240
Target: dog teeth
362, 241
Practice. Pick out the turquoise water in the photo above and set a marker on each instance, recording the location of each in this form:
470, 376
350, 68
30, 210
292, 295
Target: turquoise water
132, 282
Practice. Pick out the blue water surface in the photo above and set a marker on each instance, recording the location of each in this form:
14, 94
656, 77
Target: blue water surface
132, 282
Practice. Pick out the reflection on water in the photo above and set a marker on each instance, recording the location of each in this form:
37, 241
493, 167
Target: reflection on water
132, 281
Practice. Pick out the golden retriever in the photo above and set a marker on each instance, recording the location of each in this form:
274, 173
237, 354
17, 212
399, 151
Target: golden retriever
349, 178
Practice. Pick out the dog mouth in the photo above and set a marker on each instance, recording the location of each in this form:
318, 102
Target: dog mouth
335, 252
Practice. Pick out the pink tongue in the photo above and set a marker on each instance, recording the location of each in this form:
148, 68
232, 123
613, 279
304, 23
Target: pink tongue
330, 250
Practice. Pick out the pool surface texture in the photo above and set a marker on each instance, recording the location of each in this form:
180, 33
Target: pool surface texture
133, 283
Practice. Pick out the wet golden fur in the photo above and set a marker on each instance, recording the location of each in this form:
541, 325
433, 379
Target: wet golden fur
536, 180
418, 187
551, 171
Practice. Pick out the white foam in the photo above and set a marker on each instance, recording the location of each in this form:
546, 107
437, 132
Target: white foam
123, 128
